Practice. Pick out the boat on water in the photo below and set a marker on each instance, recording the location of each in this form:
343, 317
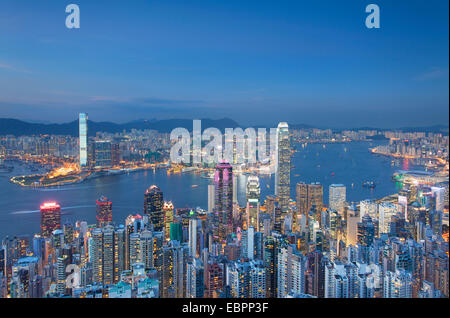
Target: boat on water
194, 186
4, 168
369, 184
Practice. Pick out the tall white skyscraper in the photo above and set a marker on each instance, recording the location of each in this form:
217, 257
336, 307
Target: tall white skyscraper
211, 198
83, 130
283, 167
250, 243
235, 189
253, 195
439, 195
337, 197
193, 226
386, 210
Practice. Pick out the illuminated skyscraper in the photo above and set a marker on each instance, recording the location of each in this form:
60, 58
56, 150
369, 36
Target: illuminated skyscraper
194, 229
153, 207
120, 252
223, 182
257, 280
277, 218
386, 211
253, 195
211, 198
168, 218
214, 279
147, 248
173, 276
283, 169
135, 248
194, 279
50, 218
270, 264
239, 279
307, 196
83, 130
115, 154
97, 255
104, 211
107, 257
102, 153
337, 197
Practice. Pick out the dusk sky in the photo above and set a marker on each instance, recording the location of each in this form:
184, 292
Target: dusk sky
257, 62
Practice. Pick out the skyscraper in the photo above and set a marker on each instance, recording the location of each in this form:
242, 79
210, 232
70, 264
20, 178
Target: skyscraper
307, 196
253, 196
115, 154
386, 211
439, 195
83, 129
270, 264
211, 198
153, 207
368, 207
283, 169
337, 197
194, 225
168, 217
102, 153
50, 218
194, 279
173, 275
104, 211
223, 182
97, 255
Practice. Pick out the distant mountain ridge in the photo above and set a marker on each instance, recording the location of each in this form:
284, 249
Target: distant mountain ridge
16, 127
9, 126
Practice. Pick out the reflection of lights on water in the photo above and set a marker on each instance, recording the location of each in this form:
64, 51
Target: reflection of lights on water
405, 165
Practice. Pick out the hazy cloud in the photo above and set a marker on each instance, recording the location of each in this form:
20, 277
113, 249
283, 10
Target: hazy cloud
10, 67
434, 73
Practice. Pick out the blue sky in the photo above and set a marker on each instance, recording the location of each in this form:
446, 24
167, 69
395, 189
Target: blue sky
258, 62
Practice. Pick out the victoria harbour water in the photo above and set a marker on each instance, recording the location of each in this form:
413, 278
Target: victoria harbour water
348, 163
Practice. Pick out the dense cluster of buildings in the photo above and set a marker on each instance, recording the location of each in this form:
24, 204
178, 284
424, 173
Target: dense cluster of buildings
273, 247
416, 145
104, 150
